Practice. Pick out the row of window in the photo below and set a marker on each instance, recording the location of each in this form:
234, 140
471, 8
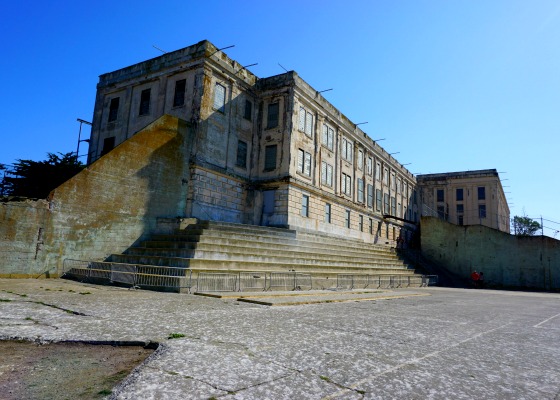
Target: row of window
459, 194
442, 213
145, 101
347, 216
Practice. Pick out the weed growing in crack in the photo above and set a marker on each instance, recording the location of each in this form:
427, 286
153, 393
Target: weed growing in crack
176, 335
5, 300
325, 378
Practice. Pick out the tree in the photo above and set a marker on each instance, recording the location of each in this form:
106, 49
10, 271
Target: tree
525, 226
36, 179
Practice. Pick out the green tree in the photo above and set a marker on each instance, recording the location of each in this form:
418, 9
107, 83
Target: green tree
525, 226
36, 179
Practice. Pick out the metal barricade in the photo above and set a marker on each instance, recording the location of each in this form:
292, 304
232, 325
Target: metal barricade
429, 280
282, 280
252, 281
415, 281
303, 282
160, 276
344, 281
123, 273
216, 282
385, 281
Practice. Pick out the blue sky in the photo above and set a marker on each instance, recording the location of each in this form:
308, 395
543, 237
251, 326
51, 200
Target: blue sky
450, 85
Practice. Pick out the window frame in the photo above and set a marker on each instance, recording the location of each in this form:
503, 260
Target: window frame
241, 145
326, 177
219, 104
114, 109
145, 102
179, 95
305, 205
272, 123
268, 159
327, 137
304, 162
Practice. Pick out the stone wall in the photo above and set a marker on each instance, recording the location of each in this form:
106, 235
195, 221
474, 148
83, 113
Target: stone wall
506, 260
104, 209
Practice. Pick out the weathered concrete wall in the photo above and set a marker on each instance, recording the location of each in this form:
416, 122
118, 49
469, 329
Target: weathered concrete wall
506, 260
102, 210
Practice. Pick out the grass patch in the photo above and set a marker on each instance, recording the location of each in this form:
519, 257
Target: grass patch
104, 392
85, 292
325, 378
5, 300
176, 335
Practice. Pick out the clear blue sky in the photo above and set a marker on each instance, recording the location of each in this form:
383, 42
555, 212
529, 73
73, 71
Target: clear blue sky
451, 85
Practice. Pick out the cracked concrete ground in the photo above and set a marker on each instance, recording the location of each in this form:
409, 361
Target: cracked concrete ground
450, 343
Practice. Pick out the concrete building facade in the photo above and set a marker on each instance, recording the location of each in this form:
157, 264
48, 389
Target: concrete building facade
465, 198
270, 151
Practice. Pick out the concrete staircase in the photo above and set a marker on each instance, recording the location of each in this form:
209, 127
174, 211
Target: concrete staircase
208, 247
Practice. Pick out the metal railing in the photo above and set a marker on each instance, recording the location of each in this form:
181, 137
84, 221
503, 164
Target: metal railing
129, 274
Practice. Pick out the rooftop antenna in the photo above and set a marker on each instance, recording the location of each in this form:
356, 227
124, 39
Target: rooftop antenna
361, 123
220, 49
246, 66
157, 48
326, 90
282, 67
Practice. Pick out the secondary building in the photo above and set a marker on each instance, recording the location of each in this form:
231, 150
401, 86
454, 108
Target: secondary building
466, 198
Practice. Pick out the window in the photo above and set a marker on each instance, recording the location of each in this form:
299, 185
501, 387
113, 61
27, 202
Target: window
459, 194
272, 119
305, 206
327, 213
393, 183
386, 203
114, 109
248, 113
305, 122
241, 154
378, 199
270, 157
393, 206
460, 209
460, 220
108, 144
326, 174
361, 223
378, 171
219, 98
179, 97
346, 184
481, 193
371, 226
399, 186
441, 212
360, 159
369, 166
482, 211
370, 196
347, 219
347, 147
145, 102
440, 195
328, 137
304, 162
400, 210
360, 190
386, 176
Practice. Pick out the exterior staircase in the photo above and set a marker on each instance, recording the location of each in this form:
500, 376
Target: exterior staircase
210, 255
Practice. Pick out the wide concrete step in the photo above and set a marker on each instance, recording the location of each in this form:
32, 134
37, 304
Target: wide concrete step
250, 265
241, 254
236, 245
221, 238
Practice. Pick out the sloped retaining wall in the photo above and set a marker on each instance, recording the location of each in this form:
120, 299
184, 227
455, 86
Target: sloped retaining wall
506, 260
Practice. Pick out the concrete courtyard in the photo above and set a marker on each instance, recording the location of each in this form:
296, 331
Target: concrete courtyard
424, 343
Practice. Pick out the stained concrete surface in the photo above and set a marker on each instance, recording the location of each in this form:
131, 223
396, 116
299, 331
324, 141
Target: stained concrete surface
449, 343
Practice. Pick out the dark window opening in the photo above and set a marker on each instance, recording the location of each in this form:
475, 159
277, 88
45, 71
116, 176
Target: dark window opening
482, 211
481, 193
305, 206
179, 98
108, 144
270, 158
241, 154
145, 102
272, 121
248, 114
440, 196
459, 195
114, 109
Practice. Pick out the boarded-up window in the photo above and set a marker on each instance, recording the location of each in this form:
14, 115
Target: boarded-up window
360, 190
370, 196
378, 200
179, 98
219, 98
270, 157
